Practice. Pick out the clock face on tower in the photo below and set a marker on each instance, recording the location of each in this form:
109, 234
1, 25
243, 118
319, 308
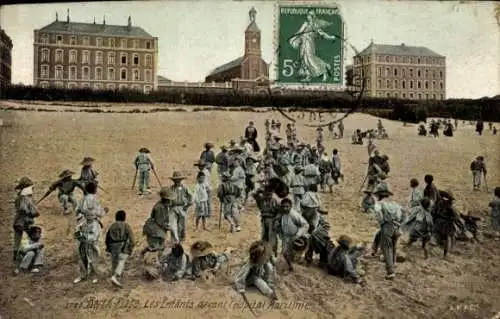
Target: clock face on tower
254, 40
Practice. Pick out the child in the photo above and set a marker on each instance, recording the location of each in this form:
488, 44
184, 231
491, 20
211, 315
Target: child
30, 256
368, 202
119, 243
416, 194
421, 224
175, 264
200, 198
258, 271
495, 210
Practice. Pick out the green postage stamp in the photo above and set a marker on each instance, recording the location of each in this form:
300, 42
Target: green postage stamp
310, 49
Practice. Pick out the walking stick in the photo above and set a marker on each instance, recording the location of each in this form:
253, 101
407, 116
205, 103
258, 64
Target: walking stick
157, 178
363, 184
220, 215
135, 177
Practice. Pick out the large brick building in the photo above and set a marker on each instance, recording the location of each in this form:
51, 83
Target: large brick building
249, 67
401, 71
98, 56
5, 59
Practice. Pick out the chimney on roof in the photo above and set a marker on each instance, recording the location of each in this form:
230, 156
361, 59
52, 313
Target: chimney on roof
57, 17
104, 19
129, 22
403, 45
67, 17
94, 20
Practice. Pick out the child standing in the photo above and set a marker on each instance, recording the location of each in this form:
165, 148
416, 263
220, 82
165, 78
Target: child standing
495, 210
200, 198
119, 243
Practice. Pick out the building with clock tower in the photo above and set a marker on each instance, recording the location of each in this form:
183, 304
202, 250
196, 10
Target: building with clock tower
248, 70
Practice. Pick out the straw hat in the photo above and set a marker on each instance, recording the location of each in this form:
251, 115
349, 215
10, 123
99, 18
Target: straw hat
300, 244
87, 161
144, 150
23, 183
66, 173
259, 252
200, 248
177, 176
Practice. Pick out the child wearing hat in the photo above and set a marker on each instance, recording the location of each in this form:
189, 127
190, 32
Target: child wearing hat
66, 186
200, 198
389, 215
258, 271
88, 174
183, 199
26, 212
208, 156
228, 194
30, 256
143, 164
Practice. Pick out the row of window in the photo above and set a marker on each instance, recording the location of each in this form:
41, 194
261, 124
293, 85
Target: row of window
401, 59
98, 74
98, 57
97, 86
419, 96
98, 42
394, 84
402, 72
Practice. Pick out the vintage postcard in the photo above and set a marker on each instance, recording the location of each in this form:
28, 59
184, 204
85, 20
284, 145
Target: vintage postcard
240, 159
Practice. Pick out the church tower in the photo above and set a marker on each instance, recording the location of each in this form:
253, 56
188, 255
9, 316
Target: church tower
253, 66
252, 36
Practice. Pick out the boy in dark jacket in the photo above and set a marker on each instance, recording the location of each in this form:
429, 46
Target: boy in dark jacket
119, 243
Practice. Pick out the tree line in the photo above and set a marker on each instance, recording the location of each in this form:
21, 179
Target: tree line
487, 109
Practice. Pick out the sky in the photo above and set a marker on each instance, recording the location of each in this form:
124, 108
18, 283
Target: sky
197, 36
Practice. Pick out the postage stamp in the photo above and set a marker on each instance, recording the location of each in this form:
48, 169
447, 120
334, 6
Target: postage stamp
309, 44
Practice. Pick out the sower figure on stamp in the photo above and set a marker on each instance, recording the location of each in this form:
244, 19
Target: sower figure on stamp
420, 224
389, 215
478, 168
26, 212
88, 174
290, 225
66, 186
30, 256
207, 181
143, 164
200, 198
88, 233
258, 271
175, 264
183, 199
120, 244
227, 194
156, 226
269, 209
208, 156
